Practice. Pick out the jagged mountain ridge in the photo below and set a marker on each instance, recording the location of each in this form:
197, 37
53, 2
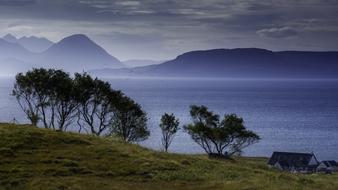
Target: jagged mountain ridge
32, 43
75, 53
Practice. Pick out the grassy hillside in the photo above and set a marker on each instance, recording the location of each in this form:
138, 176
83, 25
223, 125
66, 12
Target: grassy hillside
32, 158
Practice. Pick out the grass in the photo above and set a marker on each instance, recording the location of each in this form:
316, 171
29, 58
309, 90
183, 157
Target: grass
32, 158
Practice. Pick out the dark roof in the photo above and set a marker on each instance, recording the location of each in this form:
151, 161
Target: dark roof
330, 163
288, 159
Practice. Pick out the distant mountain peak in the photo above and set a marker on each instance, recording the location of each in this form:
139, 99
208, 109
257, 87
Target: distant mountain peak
10, 38
31, 43
73, 54
78, 41
79, 51
35, 44
77, 38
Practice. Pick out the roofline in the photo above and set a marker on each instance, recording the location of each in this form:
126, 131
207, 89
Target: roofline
315, 157
311, 153
277, 152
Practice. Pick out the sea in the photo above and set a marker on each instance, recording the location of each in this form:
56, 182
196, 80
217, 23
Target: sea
288, 115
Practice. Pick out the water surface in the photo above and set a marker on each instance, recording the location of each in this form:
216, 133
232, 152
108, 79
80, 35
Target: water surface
288, 115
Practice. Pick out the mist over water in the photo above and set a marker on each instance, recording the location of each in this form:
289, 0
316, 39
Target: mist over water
289, 115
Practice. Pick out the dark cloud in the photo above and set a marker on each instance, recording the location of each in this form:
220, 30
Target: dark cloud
16, 2
166, 28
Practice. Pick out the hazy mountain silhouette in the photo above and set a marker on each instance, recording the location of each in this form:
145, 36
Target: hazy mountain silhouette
10, 38
246, 62
32, 43
141, 63
13, 50
75, 53
11, 56
78, 52
35, 44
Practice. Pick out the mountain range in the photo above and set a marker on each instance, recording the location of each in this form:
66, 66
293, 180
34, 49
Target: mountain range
75, 53
239, 63
78, 53
32, 43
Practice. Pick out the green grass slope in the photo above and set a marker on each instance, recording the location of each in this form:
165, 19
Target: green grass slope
32, 158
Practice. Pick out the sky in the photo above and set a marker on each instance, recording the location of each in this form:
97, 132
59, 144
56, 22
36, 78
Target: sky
163, 29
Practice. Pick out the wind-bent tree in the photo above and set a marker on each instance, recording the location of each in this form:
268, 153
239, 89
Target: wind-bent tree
32, 93
56, 99
26, 99
63, 100
130, 122
46, 95
169, 126
222, 138
95, 110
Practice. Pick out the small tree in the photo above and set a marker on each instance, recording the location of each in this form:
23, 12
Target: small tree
169, 126
222, 138
130, 121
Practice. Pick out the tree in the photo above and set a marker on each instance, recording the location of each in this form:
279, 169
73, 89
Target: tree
55, 98
46, 95
63, 100
32, 93
222, 138
130, 122
95, 109
26, 98
169, 126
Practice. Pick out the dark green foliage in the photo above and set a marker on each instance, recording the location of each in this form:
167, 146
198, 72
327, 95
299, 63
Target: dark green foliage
95, 112
102, 108
169, 126
130, 122
63, 100
48, 96
56, 99
31, 91
223, 138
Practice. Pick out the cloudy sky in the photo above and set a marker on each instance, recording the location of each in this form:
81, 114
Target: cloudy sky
163, 29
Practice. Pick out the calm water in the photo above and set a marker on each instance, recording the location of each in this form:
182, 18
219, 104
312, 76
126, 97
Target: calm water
288, 115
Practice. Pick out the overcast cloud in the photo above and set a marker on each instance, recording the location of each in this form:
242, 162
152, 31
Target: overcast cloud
159, 29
